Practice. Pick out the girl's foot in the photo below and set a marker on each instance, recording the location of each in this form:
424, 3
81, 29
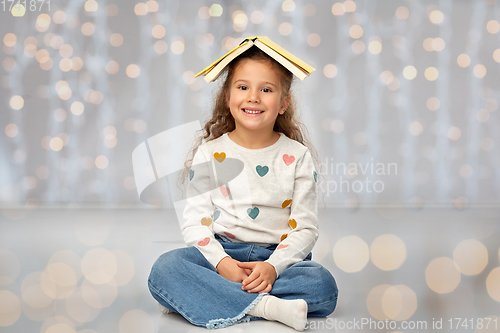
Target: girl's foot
164, 309
289, 312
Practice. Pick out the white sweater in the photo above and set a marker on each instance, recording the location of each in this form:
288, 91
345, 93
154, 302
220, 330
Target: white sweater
256, 196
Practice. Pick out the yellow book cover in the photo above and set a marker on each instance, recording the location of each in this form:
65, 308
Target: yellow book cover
301, 65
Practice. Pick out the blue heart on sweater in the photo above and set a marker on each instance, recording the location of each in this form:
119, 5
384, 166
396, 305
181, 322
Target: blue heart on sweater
191, 174
216, 214
262, 170
315, 176
253, 212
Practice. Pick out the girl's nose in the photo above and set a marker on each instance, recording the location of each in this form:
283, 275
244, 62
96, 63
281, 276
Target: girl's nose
253, 96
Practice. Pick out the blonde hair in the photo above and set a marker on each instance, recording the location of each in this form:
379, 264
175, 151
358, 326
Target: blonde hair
222, 121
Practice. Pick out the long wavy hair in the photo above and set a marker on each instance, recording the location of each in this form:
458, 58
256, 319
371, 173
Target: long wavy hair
222, 121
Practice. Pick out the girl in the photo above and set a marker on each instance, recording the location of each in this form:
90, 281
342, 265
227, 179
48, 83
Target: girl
249, 238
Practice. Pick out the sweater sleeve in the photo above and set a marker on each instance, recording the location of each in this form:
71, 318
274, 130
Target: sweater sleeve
303, 218
198, 212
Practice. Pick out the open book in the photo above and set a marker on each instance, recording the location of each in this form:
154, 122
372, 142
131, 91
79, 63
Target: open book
285, 58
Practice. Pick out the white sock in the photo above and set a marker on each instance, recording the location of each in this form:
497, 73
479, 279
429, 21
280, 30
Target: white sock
289, 312
164, 309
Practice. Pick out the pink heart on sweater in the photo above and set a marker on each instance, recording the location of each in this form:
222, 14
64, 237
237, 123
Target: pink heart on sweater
281, 246
230, 235
204, 241
224, 190
288, 159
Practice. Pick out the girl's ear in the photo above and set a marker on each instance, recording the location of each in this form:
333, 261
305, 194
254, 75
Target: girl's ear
285, 103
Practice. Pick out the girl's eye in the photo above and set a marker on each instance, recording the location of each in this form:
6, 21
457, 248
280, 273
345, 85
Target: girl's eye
242, 87
267, 89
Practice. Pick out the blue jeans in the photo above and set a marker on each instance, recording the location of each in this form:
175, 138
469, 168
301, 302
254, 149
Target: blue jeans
183, 281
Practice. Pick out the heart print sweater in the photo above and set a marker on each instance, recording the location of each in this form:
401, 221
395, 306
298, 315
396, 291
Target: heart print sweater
256, 196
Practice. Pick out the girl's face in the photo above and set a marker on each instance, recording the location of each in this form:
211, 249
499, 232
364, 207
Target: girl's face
255, 87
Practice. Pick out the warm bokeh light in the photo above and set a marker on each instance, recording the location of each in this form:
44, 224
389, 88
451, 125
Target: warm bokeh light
133, 71
374, 301
79, 310
313, 40
58, 280
351, 254
338, 9
215, 10
454, 133
59, 17
479, 71
112, 9
349, 6
116, 39
463, 60
88, 28
431, 73
77, 63
158, 31
330, 71
388, 252
358, 46
438, 44
496, 55
256, 17
161, 47
152, 6
101, 162
91, 6
356, 31
399, 302
427, 44
136, 321
285, 28
56, 143
10, 308
493, 284
471, 256
99, 266
493, 26
442, 275
11, 131
375, 47
386, 77
140, 9
416, 128
10, 39
482, 115
16, 102
125, 267
288, 6
177, 45
77, 108
112, 67
18, 10
99, 295
42, 22
433, 103
436, 17
402, 13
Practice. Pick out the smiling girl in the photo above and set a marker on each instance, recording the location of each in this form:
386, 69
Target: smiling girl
250, 239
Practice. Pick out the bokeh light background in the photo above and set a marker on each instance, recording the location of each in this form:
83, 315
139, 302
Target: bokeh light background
414, 84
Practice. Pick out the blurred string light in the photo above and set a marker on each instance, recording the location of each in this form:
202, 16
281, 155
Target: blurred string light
351, 254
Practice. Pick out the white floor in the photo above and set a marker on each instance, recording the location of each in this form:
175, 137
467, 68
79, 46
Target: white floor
86, 270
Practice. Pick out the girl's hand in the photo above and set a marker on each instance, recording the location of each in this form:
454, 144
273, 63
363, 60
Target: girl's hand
262, 277
229, 270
